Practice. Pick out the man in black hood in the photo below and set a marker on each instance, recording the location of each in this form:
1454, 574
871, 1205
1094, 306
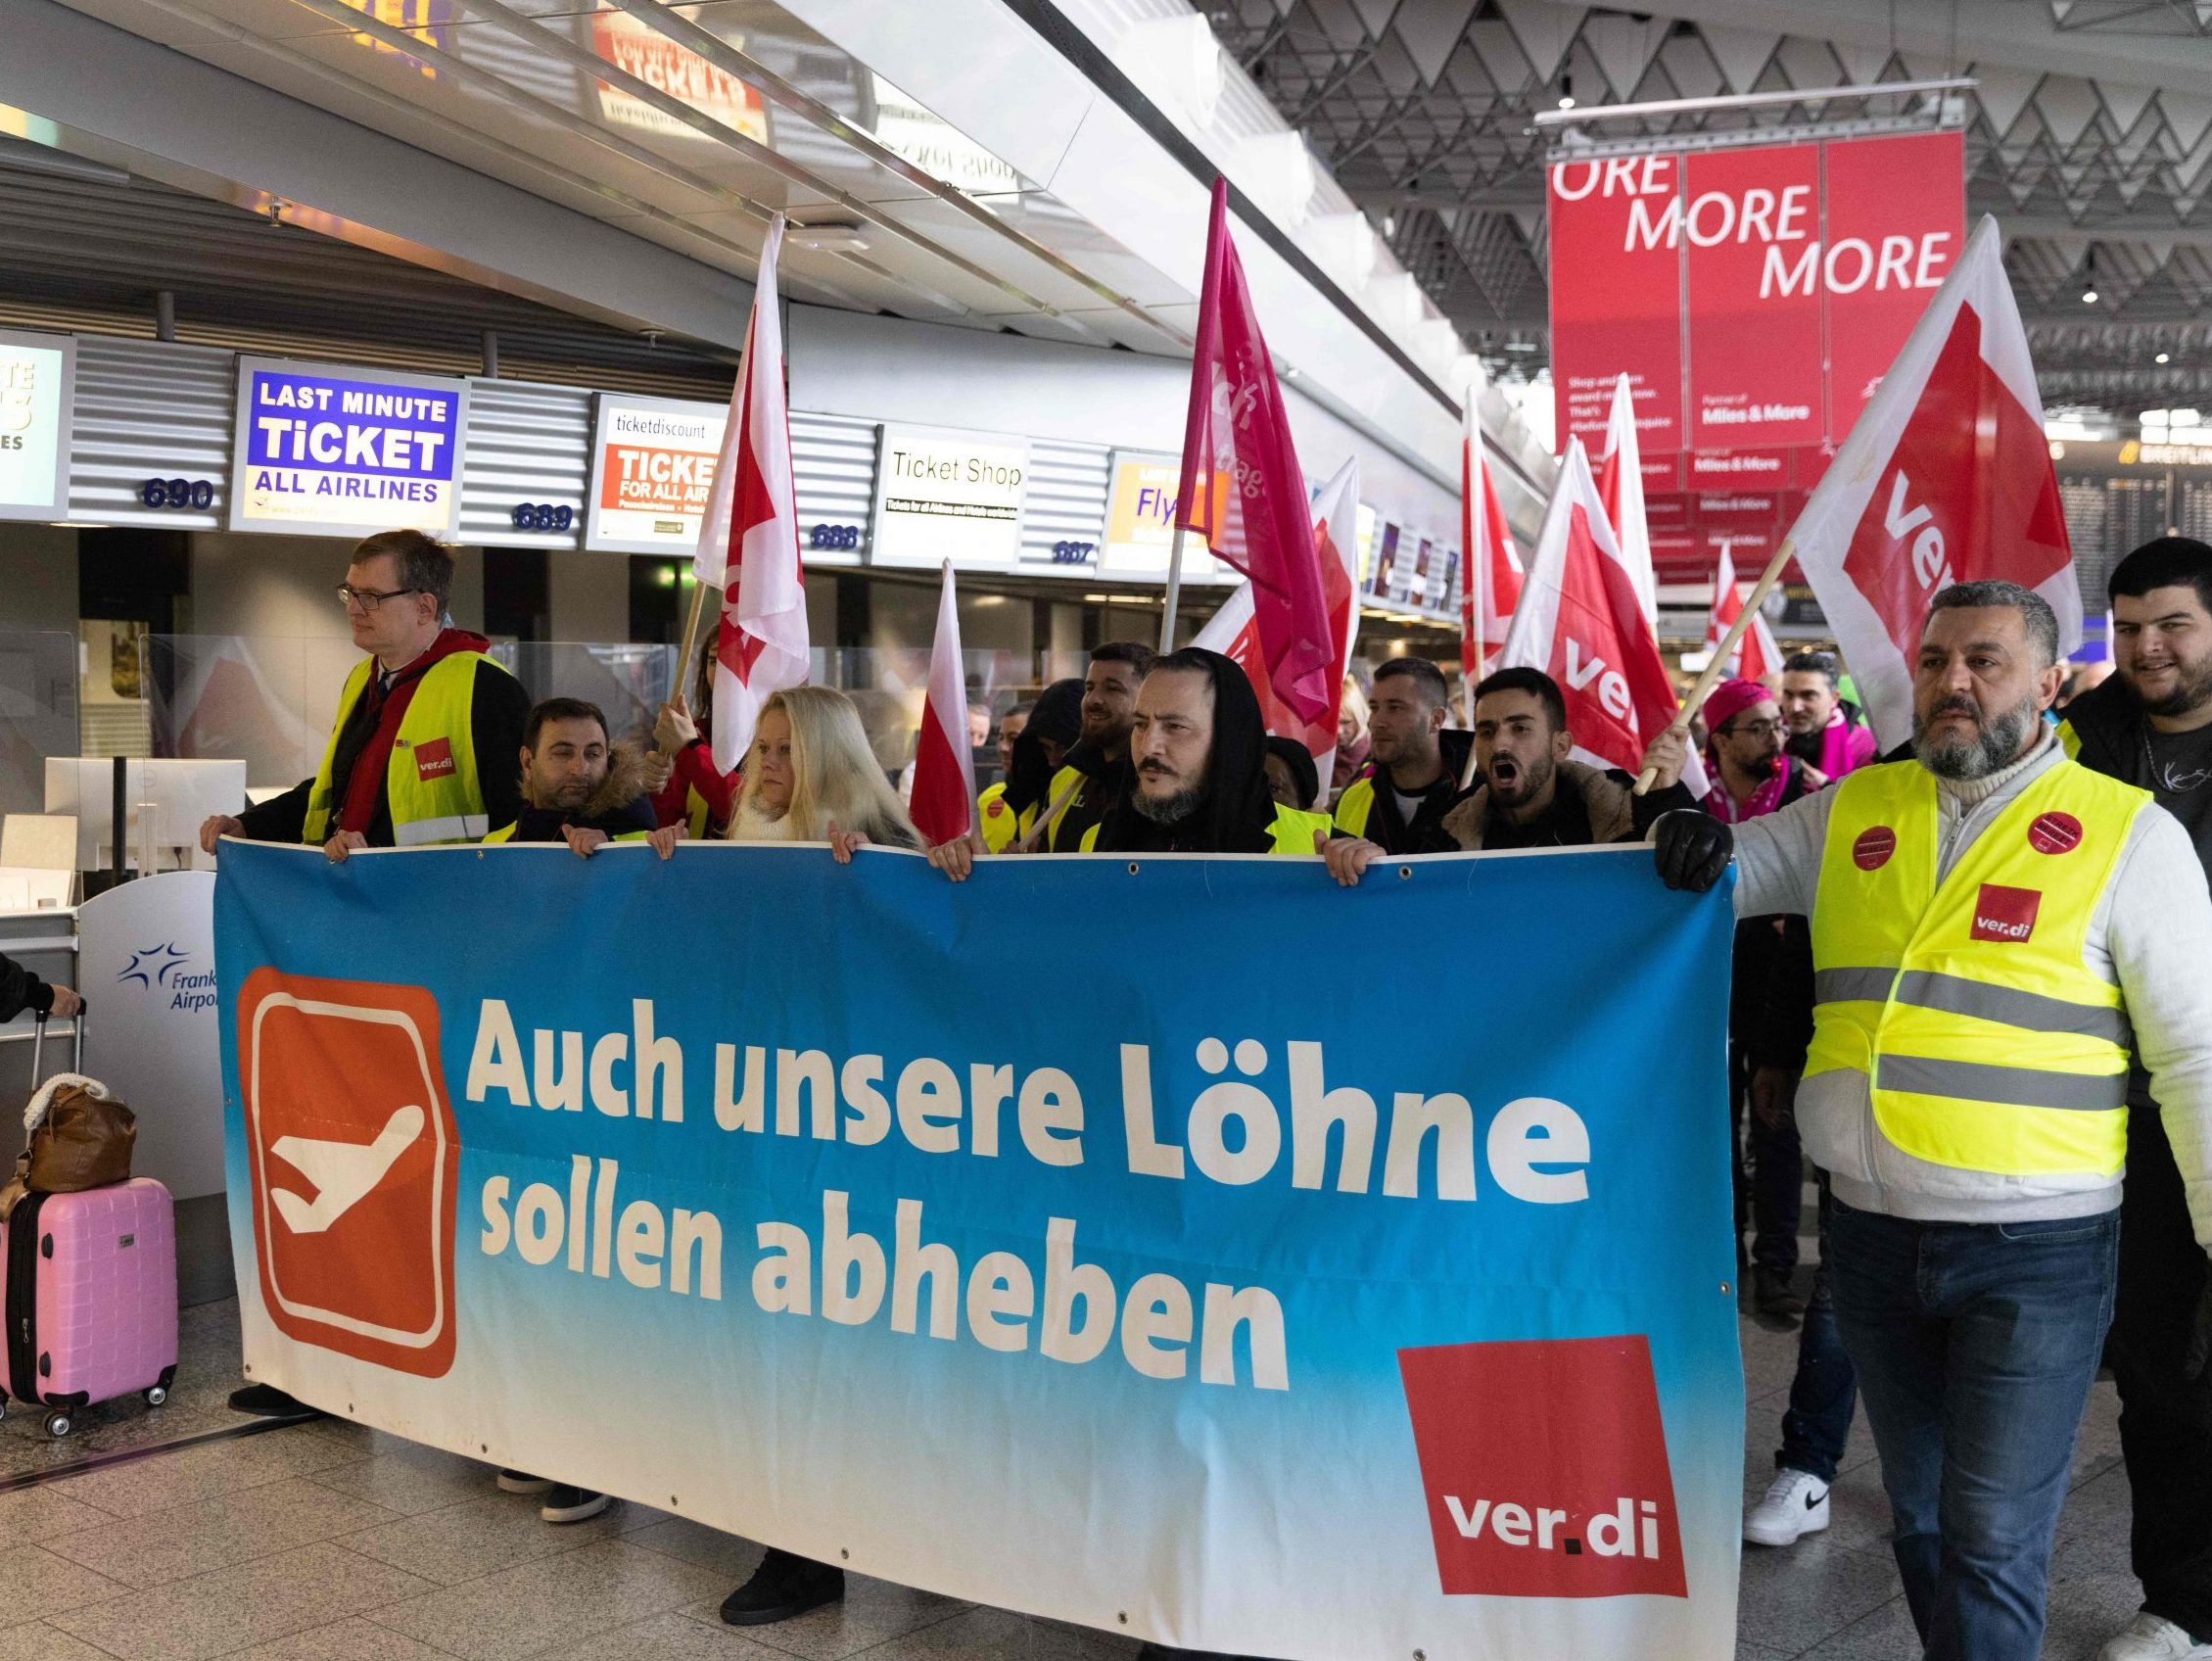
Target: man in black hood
1198, 776
1009, 810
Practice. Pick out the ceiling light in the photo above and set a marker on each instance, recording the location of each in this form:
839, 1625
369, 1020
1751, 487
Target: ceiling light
2089, 277
839, 237
2163, 358
2088, 296
1567, 92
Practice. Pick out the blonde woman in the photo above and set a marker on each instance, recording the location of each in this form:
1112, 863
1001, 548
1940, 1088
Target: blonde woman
811, 776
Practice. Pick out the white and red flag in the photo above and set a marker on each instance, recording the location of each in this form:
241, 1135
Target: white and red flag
1234, 630
1621, 486
943, 803
1946, 478
1489, 576
749, 538
1757, 654
1581, 622
1241, 489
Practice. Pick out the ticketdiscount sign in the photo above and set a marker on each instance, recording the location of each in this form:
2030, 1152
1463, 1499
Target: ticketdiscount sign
1219, 1297
1752, 296
652, 467
328, 450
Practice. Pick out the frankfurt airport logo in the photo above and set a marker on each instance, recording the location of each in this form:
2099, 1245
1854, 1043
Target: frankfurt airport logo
354, 1164
1544, 1466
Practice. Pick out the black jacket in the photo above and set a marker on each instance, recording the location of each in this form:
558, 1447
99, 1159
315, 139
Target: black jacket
21, 991
1388, 829
1770, 991
620, 806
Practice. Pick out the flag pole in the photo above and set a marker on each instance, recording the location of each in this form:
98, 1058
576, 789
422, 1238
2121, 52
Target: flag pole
1725, 650
1174, 592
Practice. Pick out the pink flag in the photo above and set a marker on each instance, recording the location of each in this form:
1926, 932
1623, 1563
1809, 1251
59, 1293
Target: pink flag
1758, 656
1242, 489
1234, 630
1581, 622
1489, 584
749, 538
1946, 478
944, 763
1621, 485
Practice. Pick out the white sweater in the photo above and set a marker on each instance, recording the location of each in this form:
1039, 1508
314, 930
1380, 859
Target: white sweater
2151, 933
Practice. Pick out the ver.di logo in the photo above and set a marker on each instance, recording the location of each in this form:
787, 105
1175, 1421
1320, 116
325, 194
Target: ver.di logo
161, 970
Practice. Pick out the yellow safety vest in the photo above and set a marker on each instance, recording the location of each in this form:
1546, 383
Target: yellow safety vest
1062, 780
1988, 1043
431, 783
998, 823
1355, 806
1291, 834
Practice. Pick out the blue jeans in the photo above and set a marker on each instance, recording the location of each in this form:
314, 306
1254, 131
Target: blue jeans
1824, 1389
1976, 1346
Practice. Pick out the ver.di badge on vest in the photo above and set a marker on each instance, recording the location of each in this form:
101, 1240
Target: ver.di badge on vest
2005, 914
434, 760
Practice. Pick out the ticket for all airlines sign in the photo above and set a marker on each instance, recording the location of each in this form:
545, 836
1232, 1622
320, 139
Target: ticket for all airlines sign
37, 383
1754, 297
329, 450
652, 464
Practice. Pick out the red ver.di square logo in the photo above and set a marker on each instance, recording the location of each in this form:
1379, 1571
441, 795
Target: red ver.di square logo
1543, 1466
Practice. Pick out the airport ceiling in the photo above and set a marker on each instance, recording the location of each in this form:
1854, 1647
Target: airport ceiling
2088, 135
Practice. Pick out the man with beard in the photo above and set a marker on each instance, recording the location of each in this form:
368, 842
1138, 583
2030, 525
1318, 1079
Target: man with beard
1198, 783
1091, 780
1993, 927
1401, 802
1825, 732
2151, 725
578, 789
1769, 1000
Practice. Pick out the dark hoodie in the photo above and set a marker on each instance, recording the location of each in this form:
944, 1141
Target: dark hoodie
2106, 732
1057, 716
1426, 835
498, 713
1235, 811
620, 806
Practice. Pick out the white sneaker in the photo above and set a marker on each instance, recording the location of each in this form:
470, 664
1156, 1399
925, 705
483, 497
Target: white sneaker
1796, 1505
2154, 1637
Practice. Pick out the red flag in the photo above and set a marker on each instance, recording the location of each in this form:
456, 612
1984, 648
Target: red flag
1489, 576
1581, 622
1946, 478
749, 538
1757, 656
1234, 630
1242, 489
943, 762
1621, 486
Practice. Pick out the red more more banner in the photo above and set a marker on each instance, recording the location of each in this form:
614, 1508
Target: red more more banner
1753, 297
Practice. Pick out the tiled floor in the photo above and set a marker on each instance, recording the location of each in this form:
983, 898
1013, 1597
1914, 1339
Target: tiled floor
330, 1542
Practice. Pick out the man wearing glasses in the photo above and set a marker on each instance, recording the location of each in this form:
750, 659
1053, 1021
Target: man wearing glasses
428, 727
1770, 1001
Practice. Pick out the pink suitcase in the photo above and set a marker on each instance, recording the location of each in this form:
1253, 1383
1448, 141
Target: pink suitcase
90, 1284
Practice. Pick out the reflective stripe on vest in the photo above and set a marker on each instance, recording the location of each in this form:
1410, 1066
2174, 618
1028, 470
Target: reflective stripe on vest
1290, 832
1988, 1043
447, 804
1354, 807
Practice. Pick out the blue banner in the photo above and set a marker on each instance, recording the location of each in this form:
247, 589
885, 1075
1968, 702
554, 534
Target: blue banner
1188, 1248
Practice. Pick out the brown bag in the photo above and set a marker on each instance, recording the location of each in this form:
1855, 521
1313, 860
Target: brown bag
79, 1138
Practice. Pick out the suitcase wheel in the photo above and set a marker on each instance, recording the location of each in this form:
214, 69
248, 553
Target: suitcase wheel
156, 1395
56, 1425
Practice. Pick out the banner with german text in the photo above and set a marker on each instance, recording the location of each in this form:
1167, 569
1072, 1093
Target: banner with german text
1162, 1286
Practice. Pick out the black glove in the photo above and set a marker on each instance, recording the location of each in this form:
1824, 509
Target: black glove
1693, 848
2199, 1361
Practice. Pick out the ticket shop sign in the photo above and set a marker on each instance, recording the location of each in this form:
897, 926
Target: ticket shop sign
943, 494
652, 464
37, 387
335, 450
